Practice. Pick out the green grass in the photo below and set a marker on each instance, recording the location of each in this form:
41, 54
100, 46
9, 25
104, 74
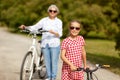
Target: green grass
103, 52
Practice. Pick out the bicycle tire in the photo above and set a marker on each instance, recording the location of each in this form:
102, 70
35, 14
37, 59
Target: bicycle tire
42, 73
25, 72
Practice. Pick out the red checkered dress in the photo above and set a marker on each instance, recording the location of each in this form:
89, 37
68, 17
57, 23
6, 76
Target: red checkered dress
74, 54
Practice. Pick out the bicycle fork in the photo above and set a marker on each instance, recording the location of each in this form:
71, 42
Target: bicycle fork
31, 66
89, 76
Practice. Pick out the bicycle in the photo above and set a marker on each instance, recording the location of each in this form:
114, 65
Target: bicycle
89, 72
33, 60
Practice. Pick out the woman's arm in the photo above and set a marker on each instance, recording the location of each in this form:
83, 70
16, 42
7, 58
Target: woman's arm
55, 33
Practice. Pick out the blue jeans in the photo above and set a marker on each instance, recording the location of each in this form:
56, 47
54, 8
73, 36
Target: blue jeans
51, 57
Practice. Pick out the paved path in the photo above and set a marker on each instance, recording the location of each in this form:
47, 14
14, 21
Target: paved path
12, 50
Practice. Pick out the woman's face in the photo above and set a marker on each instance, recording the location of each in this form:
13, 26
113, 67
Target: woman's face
74, 29
53, 12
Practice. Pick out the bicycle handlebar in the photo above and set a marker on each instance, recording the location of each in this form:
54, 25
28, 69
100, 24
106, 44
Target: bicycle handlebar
93, 70
39, 31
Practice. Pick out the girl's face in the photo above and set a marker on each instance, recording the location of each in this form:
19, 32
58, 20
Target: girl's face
74, 29
53, 12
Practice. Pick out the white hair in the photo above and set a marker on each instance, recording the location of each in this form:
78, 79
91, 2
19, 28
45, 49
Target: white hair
53, 6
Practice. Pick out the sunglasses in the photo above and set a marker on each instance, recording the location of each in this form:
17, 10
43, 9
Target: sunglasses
76, 28
52, 11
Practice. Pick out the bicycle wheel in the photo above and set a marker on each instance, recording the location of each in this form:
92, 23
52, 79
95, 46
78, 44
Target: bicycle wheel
42, 72
27, 67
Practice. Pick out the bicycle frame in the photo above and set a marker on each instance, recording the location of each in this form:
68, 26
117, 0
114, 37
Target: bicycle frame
35, 58
36, 53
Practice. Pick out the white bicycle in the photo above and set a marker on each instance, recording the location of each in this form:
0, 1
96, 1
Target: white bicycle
33, 60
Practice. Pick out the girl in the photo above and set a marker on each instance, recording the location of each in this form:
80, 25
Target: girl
73, 53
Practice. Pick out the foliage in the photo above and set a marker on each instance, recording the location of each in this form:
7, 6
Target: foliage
117, 46
99, 19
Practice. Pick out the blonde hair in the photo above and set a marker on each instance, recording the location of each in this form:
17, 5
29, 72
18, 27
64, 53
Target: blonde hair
77, 21
53, 6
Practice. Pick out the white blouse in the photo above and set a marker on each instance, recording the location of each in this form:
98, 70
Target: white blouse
47, 37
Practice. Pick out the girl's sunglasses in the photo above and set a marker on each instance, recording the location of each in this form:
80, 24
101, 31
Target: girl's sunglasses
76, 28
52, 11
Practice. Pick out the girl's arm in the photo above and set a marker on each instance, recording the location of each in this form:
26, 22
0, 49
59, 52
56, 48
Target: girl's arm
84, 57
67, 61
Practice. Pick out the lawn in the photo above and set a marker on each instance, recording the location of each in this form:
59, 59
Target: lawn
103, 52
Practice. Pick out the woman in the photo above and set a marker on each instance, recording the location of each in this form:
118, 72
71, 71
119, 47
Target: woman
50, 40
73, 53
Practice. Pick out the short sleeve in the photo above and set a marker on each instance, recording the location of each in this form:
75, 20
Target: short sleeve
82, 41
63, 44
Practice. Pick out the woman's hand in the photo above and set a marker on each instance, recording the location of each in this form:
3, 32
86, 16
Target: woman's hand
55, 33
51, 31
22, 27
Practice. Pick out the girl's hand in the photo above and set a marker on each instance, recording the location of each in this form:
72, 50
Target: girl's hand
86, 67
73, 68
